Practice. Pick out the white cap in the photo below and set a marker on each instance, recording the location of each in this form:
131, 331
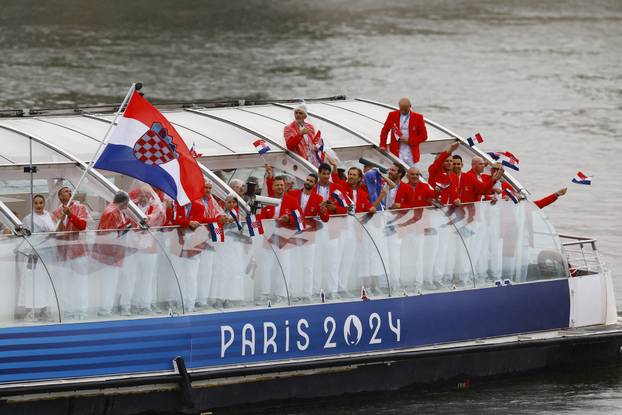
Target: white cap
301, 107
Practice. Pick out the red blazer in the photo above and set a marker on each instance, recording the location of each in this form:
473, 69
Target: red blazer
363, 203
403, 195
472, 189
417, 133
421, 195
436, 175
288, 205
313, 205
332, 187
197, 213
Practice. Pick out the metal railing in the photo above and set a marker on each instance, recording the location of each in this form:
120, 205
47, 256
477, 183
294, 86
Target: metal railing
583, 256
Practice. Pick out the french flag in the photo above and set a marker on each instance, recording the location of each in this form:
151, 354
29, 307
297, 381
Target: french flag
581, 178
340, 198
261, 146
144, 145
506, 158
216, 232
298, 220
252, 223
477, 138
236, 219
510, 194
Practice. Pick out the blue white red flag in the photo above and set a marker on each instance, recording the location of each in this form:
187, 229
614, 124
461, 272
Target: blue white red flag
341, 199
364, 296
510, 194
261, 146
236, 219
144, 145
298, 219
476, 139
581, 178
216, 232
254, 225
319, 153
506, 159
193, 152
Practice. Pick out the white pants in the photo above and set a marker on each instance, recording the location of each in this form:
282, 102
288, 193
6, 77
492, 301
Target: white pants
138, 278
106, 277
35, 289
187, 269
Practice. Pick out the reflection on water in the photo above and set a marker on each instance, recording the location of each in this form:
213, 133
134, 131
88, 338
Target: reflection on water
541, 79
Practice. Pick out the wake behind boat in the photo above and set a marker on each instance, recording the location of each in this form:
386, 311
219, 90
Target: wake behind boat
161, 317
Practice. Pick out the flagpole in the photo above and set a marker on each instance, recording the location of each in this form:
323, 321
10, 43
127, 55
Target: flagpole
135, 87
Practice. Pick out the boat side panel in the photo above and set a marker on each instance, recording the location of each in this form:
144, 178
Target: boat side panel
254, 336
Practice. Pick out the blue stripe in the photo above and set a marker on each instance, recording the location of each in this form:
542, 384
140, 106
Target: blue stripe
130, 346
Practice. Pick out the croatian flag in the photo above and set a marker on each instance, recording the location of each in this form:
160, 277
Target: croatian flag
252, 223
506, 158
144, 145
261, 146
477, 138
319, 153
298, 220
236, 219
340, 198
581, 178
510, 194
193, 152
397, 131
216, 232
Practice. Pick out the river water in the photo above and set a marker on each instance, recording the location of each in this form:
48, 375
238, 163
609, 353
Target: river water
540, 79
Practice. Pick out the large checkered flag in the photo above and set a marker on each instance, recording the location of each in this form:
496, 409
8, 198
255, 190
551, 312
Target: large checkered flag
146, 146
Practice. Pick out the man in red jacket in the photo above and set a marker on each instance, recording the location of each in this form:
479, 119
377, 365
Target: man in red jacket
397, 196
422, 193
354, 190
302, 138
325, 188
72, 254
309, 200
109, 250
407, 133
282, 211
475, 184
441, 176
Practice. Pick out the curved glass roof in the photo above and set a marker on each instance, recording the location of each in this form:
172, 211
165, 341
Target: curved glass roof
214, 131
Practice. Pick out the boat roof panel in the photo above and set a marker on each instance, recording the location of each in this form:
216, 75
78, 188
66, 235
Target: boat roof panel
229, 138
273, 130
14, 149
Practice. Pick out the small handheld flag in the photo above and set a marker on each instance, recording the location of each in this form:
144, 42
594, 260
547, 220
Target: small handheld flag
216, 232
340, 198
319, 153
254, 225
236, 219
298, 221
581, 178
477, 138
506, 158
510, 194
397, 131
193, 152
261, 146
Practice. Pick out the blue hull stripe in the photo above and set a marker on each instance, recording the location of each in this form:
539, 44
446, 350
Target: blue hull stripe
136, 346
